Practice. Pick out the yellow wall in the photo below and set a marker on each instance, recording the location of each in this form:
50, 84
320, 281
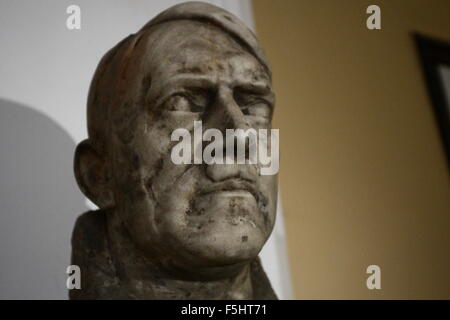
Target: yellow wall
363, 171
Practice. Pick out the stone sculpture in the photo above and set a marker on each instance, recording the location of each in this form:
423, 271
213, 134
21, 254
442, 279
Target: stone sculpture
165, 230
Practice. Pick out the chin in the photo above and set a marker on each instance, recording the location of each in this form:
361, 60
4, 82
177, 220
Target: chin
215, 230
221, 243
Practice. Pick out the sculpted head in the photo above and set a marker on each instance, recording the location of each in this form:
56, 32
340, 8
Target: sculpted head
191, 63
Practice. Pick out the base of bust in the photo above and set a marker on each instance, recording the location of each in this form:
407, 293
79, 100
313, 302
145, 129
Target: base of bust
100, 279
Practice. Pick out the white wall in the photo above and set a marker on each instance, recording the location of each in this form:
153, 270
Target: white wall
45, 72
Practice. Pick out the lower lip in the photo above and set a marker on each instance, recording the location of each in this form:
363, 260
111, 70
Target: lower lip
231, 193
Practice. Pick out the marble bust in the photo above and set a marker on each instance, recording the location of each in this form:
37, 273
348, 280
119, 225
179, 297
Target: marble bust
165, 230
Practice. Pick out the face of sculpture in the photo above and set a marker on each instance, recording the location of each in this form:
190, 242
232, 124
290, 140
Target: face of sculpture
198, 215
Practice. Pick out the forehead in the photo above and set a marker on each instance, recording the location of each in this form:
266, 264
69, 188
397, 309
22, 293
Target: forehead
196, 49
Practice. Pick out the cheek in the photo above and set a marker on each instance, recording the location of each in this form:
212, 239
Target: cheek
152, 148
152, 140
269, 187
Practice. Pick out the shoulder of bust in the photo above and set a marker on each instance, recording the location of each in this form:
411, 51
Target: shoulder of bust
90, 251
262, 289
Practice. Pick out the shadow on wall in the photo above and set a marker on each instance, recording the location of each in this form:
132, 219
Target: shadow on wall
39, 202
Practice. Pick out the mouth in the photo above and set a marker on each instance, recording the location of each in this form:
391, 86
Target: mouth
230, 185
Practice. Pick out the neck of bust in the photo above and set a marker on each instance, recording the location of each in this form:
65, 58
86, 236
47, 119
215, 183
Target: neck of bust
141, 277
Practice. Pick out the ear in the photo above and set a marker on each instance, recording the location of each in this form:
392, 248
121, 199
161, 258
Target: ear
92, 175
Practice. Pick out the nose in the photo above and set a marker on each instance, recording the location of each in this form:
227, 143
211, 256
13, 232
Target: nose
225, 114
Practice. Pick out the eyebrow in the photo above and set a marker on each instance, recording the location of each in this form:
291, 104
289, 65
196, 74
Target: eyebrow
189, 81
259, 87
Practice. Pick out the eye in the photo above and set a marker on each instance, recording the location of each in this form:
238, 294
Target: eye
258, 109
182, 102
253, 104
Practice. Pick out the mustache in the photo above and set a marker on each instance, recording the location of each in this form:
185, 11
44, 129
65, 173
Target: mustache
209, 178
203, 182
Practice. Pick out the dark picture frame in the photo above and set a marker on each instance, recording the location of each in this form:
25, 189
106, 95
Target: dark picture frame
435, 59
